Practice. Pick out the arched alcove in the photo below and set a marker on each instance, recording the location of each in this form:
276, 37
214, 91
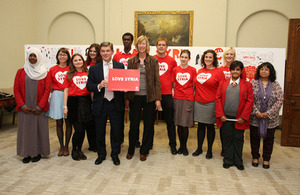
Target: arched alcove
71, 28
265, 28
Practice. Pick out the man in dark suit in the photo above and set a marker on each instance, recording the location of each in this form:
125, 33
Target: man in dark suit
106, 104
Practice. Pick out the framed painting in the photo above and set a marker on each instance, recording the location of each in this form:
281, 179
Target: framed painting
176, 26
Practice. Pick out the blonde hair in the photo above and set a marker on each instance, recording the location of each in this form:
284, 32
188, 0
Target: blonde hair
140, 39
225, 52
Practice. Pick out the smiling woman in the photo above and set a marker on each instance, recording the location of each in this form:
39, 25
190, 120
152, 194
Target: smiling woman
57, 76
206, 83
147, 98
77, 103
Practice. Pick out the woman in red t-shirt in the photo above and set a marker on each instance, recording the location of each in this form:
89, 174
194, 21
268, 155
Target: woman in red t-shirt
93, 55
183, 76
77, 103
57, 76
206, 82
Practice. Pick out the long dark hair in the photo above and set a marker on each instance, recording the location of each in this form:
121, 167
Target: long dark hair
272, 76
72, 68
98, 56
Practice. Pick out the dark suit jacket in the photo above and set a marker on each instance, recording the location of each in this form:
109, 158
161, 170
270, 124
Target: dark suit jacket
95, 77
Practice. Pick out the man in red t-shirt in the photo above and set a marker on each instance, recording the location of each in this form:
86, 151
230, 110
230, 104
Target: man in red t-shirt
128, 52
166, 65
123, 57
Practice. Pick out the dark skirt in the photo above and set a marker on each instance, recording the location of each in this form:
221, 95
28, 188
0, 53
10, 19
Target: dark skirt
79, 109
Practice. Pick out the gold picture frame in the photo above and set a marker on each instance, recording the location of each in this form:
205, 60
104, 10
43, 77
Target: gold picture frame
176, 26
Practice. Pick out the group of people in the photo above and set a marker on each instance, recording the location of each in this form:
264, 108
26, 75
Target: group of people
80, 98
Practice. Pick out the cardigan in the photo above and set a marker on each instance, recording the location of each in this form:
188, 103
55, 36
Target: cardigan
274, 104
43, 91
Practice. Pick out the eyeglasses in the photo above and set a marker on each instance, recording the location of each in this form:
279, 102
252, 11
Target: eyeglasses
62, 54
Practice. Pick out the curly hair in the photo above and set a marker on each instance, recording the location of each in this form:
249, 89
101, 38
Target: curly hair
215, 62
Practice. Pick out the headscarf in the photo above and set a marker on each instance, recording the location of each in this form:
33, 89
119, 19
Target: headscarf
35, 71
264, 95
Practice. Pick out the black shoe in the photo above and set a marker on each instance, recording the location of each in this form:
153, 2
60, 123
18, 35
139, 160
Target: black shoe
138, 144
254, 164
99, 160
116, 161
185, 152
26, 160
240, 167
75, 155
36, 159
266, 166
81, 155
197, 152
151, 147
180, 150
209, 155
226, 166
173, 150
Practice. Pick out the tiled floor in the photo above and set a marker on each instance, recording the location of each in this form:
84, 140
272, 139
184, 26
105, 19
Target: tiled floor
161, 173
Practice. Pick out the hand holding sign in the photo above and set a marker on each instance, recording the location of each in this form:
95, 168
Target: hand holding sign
123, 80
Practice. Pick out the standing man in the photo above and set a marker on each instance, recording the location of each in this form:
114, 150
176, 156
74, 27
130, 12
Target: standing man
123, 57
128, 52
166, 65
106, 104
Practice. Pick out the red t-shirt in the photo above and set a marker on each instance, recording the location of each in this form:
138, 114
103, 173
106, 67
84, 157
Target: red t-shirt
207, 82
123, 57
57, 76
166, 66
77, 85
183, 79
91, 64
227, 74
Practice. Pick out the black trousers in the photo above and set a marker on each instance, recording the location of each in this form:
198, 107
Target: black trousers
115, 118
268, 143
91, 134
233, 141
168, 112
79, 132
136, 106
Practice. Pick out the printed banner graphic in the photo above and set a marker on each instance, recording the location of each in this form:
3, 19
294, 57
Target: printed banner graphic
123, 80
